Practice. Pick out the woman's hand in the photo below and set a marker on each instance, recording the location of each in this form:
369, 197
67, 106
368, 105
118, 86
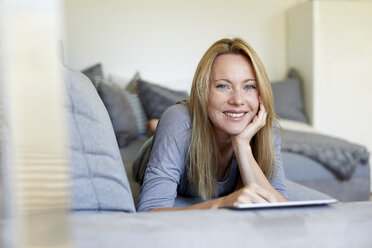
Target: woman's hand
251, 193
258, 122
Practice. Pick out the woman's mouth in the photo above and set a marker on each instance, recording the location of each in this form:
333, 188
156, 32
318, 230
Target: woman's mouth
235, 115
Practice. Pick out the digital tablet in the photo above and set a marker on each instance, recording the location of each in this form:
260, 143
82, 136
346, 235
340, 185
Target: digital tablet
284, 204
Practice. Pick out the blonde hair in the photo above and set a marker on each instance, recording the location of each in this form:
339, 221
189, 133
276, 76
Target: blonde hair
203, 152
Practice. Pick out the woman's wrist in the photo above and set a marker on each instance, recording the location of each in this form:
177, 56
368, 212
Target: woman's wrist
218, 203
241, 145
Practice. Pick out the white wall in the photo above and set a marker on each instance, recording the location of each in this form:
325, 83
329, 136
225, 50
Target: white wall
343, 41
165, 39
300, 50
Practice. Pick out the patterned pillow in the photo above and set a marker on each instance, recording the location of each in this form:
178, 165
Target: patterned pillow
156, 99
138, 111
132, 86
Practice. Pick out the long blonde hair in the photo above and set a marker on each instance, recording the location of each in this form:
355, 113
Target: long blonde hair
203, 152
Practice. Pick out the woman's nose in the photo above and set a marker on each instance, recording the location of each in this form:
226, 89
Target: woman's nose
236, 98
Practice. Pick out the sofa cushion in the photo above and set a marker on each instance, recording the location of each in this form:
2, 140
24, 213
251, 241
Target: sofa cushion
130, 90
99, 181
120, 112
288, 101
156, 99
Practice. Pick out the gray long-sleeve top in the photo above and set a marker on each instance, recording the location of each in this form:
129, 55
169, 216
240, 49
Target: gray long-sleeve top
166, 175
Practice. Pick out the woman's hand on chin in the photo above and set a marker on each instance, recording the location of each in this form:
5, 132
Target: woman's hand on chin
258, 122
251, 193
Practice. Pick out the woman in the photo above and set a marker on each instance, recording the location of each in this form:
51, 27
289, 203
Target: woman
223, 135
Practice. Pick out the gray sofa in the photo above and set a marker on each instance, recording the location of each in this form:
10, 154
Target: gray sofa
310, 173
103, 212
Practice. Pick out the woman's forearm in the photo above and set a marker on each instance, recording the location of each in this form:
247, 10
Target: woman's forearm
250, 170
211, 204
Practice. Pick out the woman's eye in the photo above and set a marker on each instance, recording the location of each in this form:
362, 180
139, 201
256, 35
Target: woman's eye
221, 86
250, 87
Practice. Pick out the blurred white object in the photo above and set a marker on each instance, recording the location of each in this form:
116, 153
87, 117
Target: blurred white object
296, 126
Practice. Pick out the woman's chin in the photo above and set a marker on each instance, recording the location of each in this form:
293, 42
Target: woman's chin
231, 130
235, 131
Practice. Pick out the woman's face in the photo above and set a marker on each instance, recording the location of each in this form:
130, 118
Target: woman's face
233, 95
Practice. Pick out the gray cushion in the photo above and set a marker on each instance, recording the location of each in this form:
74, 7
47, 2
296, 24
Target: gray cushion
99, 181
288, 101
156, 99
120, 112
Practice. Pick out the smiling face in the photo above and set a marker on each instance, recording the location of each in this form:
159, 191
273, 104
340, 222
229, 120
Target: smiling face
233, 95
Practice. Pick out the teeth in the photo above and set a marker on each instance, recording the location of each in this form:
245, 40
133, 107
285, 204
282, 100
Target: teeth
234, 115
